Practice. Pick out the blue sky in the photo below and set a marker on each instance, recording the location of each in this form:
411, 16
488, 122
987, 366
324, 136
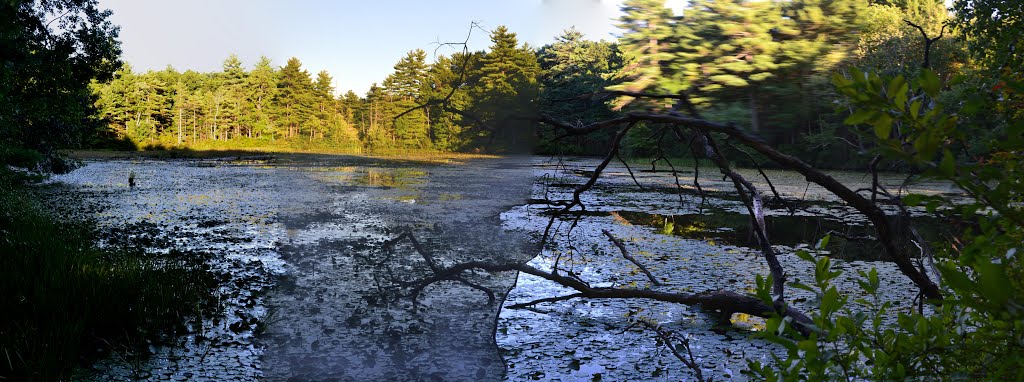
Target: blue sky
358, 42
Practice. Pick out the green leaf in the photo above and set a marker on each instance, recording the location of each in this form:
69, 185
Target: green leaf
930, 83
993, 282
869, 281
897, 91
973, 105
840, 81
801, 286
823, 242
804, 255
860, 116
831, 301
912, 200
948, 164
915, 108
896, 86
883, 126
764, 289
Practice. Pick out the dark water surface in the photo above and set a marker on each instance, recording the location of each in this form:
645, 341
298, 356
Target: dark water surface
318, 255
308, 290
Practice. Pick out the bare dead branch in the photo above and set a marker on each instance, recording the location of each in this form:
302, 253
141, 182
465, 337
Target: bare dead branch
546, 300
927, 41
674, 342
388, 247
630, 170
725, 302
873, 212
625, 254
766, 179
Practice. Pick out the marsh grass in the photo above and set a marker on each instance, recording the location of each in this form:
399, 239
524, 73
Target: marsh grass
65, 302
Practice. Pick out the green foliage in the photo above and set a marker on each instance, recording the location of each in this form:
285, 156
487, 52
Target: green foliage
63, 298
646, 41
975, 332
741, 59
405, 89
993, 28
51, 50
503, 91
573, 73
889, 45
288, 107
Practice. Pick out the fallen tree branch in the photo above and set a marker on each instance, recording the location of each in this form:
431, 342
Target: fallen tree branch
725, 302
668, 338
622, 249
388, 247
545, 300
878, 218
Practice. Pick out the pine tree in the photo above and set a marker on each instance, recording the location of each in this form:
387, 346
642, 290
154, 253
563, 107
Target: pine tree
232, 88
326, 109
294, 96
376, 119
410, 76
261, 88
505, 92
450, 76
742, 55
648, 33
573, 66
404, 88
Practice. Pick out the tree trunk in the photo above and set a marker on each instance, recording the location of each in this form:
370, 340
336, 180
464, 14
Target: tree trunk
755, 123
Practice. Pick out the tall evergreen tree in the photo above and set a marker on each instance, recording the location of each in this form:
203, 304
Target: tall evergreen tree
405, 87
647, 34
505, 92
294, 96
232, 86
326, 110
410, 76
261, 88
572, 66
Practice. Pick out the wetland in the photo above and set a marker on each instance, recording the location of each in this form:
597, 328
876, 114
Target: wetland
314, 256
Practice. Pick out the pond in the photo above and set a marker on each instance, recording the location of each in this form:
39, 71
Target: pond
314, 254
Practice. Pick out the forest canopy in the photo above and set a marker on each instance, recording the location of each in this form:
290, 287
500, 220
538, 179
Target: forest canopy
49, 53
765, 66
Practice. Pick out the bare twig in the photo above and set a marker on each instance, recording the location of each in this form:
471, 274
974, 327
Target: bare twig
725, 302
418, 288
927, 41
545, 300
677, 345
625, 254
873, 212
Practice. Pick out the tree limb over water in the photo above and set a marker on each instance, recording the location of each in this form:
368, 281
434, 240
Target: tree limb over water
725, 302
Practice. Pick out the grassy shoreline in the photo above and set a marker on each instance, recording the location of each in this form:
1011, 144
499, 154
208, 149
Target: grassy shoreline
185, 153
68, 302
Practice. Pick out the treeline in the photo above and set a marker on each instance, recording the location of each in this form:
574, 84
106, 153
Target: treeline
764, 65
287, 106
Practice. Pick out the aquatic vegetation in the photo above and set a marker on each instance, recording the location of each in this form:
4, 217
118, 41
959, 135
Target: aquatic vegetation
66, 301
